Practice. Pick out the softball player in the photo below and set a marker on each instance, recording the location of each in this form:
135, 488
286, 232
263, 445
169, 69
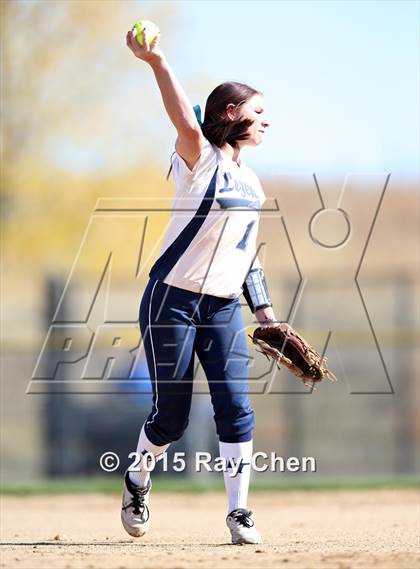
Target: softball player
190, 304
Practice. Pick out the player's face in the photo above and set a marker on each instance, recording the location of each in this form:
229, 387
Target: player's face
254, 109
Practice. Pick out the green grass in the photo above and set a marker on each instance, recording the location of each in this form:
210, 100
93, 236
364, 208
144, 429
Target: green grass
113, 485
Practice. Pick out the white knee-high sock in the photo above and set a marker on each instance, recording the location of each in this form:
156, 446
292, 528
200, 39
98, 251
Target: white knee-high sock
141, 478
237, 486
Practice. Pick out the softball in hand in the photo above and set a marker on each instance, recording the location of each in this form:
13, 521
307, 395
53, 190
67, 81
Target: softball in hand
151, 31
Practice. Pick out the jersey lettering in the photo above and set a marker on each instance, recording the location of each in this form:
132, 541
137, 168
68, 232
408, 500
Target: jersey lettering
243, 242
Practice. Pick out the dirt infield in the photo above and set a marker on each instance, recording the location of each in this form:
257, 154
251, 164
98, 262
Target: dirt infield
340, 529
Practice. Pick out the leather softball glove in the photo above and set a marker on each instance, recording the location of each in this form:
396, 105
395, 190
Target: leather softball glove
286, 347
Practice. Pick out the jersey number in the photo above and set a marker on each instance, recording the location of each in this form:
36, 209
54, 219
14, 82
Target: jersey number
243, 242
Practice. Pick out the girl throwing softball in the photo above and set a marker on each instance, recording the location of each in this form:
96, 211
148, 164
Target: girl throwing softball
191, 302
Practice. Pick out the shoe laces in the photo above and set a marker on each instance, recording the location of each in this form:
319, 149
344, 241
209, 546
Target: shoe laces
243, 517
137, 502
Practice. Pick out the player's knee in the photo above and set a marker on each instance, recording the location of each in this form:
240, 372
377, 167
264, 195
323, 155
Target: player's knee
164, 432
236, 425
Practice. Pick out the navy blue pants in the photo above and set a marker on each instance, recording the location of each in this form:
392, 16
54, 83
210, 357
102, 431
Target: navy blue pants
176, 324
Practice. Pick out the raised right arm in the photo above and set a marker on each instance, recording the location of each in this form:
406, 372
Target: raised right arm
190, 138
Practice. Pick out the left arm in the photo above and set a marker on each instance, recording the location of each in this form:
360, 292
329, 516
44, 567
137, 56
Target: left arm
265, 316
257, 295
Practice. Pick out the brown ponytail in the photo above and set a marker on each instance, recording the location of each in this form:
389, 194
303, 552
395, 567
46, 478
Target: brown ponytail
217, 127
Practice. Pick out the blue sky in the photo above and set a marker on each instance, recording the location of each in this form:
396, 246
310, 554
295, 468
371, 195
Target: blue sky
340, 79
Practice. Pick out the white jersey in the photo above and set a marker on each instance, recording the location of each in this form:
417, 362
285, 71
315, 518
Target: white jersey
210, 244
